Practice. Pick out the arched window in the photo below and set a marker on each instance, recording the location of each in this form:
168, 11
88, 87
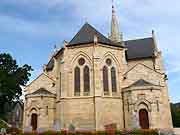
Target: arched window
105, 81
86, 81
113, 80
77, 81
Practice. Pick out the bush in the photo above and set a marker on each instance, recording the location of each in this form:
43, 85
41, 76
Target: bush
50, 133
14, 131
64, 132
140, 132
118, 132
28, 133
3, 124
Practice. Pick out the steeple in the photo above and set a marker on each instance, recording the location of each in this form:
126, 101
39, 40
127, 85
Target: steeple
115, 36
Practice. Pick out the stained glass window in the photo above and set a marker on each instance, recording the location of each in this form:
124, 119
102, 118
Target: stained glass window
77, 81
105, 80
81, 61
113, 79
86, 80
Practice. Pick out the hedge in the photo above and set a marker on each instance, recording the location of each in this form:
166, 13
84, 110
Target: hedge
111, 132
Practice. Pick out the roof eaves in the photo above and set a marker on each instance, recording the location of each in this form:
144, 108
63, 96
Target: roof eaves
140, 58
110, 44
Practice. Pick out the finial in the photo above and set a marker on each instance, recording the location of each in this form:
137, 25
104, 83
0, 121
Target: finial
153, 33
113, 3
113, 10
154, 39
65, 43
55, 47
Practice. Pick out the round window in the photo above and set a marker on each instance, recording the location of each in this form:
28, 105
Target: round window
108, 62
81, 61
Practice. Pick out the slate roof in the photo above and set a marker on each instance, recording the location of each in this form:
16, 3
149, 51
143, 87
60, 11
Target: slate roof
41, 91
86, 35
136, 49
50, 65
140, 48
142, 82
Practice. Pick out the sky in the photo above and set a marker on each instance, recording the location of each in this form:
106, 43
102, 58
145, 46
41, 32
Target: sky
29, 29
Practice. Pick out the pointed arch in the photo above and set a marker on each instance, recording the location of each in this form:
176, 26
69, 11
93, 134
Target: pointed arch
86, 80
77, 81
113, 80
81, 54
143, 102
113, 58
105, 80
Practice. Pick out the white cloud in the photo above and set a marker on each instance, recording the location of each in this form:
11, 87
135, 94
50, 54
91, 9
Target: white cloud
136, 18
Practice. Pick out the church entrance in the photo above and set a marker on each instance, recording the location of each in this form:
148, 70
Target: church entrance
143, 119
34, 121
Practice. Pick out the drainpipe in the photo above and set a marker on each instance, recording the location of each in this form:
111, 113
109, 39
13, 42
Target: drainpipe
94, 97
124, 121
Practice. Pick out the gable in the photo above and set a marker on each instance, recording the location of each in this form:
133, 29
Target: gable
141, 71
42, 81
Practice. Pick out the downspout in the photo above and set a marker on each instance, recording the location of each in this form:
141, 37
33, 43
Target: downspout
94, 96
124, 121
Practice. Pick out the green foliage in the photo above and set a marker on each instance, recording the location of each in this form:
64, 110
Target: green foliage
50, 133
14, 131
119, 132
175, 111
12, 78
28, 133
138, 132
125, 132
3, 124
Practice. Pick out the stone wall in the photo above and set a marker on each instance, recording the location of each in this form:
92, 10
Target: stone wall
109, 110
77, 111
98, 110
44, 107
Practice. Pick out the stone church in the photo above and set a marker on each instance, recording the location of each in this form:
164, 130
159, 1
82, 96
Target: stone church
94, 81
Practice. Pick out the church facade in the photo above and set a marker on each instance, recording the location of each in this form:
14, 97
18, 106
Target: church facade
94, 81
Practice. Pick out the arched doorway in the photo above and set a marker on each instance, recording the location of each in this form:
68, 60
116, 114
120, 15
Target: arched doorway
34, 118
143, 119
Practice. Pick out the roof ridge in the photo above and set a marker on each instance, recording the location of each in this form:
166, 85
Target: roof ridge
39, 77
138, 39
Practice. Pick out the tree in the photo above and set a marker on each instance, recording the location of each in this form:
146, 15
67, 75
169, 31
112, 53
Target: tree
12, 78
175, 111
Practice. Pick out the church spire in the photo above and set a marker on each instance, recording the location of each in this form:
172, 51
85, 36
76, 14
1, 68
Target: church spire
115, 36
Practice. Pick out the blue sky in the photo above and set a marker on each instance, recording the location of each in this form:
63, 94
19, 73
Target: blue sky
29, 29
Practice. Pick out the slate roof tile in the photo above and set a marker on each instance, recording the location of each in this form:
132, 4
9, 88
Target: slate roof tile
86, 35
142, 82
140, 48
41, 91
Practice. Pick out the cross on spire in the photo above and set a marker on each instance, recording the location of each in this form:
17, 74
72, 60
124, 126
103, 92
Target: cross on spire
112, 3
